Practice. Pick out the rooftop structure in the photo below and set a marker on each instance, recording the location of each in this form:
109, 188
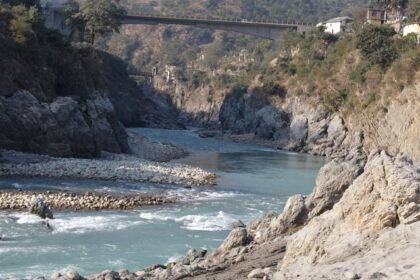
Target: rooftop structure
337, 25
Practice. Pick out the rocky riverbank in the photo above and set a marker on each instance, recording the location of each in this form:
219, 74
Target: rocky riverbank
114, 167
363, 210
21, 200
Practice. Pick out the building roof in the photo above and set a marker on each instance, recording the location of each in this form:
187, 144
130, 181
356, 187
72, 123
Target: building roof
338, 19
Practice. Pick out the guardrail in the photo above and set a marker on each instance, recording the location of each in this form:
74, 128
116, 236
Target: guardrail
217, 19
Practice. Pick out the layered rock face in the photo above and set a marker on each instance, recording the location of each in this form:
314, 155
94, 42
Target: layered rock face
395, 129
292, 123
68, 126
297, 123
375, 207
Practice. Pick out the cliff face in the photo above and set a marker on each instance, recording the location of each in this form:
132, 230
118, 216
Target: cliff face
302, 123
64, 127
395, 129
66, 99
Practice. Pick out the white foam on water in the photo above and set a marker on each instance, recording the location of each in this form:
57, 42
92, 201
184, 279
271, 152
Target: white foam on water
119, 263
211, 222
173, 258
36, 250
17, 185
26, 218
205, 222
199, 195
80, 225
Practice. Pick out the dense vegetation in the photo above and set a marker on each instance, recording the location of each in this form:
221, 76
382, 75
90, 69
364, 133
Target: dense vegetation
310, 11
55, 65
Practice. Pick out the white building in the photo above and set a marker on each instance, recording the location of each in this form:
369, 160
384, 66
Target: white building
337, 25
412, 29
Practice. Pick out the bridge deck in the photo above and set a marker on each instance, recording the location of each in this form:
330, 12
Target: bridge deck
189, 20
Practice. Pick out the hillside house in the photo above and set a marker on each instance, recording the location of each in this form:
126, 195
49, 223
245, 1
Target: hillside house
337, 25
375, 16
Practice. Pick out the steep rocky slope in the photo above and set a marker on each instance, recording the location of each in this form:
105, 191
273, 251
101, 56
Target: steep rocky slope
67, 100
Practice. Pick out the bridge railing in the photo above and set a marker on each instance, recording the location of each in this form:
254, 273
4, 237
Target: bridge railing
212, 18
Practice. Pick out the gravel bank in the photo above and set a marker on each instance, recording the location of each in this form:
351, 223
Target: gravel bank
121, 167
21, 200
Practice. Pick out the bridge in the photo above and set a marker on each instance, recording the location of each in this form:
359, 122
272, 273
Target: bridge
264, 29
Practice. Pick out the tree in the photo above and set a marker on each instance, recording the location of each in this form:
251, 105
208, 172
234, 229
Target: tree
377, 45
214, 53
16, 22
26, 3
393, 4
413, 10
100, 17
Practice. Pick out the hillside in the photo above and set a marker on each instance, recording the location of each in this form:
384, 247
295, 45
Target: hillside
145, 47
245, 86
310, 11
66, 99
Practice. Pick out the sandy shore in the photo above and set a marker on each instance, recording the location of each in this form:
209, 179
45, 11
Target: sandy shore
113, 167
21, 200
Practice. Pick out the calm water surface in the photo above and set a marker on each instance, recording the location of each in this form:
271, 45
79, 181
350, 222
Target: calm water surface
252, 180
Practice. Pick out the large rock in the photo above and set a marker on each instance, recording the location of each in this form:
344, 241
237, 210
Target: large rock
40, 207
272, 123
299, 130
333, 179
237, 238
65, 127
271, 226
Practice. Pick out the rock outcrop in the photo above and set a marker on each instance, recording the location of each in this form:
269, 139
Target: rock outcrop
380, 200
65, 127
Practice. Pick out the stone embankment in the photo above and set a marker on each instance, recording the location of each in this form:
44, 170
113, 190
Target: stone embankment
120, 167
21, 200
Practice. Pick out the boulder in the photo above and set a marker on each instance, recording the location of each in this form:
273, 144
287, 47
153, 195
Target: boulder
260, 273
237, 224
72, 274
237, 238
40, 207
333, 179
56, 276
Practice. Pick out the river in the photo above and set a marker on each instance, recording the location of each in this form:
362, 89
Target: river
252, 180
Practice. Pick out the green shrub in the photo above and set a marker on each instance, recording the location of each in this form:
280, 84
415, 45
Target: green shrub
358, 74
377, 45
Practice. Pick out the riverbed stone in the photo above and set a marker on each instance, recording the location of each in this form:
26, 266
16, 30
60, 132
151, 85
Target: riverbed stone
72, 274
237, 224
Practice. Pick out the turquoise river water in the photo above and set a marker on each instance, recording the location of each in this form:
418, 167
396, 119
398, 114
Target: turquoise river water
252, 180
